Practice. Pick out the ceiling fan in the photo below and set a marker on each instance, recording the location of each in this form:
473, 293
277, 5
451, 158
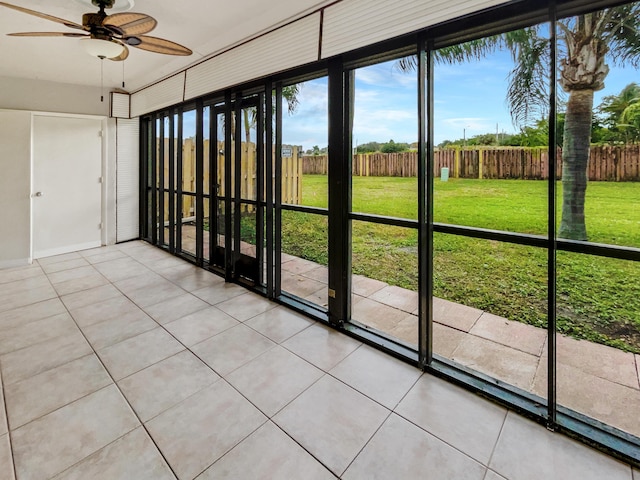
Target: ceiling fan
108, 36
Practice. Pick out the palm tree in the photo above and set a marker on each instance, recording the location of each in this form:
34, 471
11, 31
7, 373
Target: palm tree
585, 44
615, 106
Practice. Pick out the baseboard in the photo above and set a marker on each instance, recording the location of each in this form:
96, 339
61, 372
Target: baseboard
20, 262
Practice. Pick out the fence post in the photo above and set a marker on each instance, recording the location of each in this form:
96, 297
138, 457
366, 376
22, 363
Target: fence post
480, 163
457, 167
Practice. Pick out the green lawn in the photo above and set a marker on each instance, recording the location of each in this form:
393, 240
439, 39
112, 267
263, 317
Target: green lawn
597, 297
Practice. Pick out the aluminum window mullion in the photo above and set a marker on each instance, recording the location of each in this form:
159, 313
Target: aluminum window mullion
228, 224
260, 176
153, 183
172, 184
161, 187
199, 171
179, 181
277, 287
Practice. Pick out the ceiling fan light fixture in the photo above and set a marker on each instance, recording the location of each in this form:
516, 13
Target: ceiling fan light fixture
102, 48
118, 6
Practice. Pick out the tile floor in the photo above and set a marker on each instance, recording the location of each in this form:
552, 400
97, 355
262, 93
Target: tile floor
126, 363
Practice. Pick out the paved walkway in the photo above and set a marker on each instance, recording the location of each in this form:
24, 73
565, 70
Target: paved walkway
599, 381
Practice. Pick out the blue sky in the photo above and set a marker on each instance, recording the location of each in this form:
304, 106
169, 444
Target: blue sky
470, 99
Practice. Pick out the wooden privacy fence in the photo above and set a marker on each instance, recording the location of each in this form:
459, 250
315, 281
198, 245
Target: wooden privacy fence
606, 163
291, 175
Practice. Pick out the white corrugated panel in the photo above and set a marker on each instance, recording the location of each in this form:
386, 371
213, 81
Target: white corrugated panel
352, 24
290, 46
162, 94
127, 179
119, 105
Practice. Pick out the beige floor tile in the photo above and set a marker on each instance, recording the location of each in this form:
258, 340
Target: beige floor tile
161, 386
4, 423
244, 307
59, 258
147, 296
117, 329
406, 330
172, 271
520, 336
36, 311
199, 326
66, 265
364, 286
279, 323
35, 332
388, 455
593, 396
92, 252
599, 360
300, 285
6, 461
198, 280
115, 270
147, 279
232, 348
27, 297
23, 286
377, 375
298, 265
133, 456
175, 308
267, 454
320, 274
8, 275
88, 297
53, 443
527, 451
491, 475
198, 431
44, 356
136, 353
72, 274
273, 379
454, 315
377, 315
105, 257
322, 346
104, 310
498, 361
319, 297
396, 297
331, 421
41, 394
219, 293
80, 284
446, 340
460, 418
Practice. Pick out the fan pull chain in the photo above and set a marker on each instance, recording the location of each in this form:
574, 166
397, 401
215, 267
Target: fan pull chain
102, 79
123, 74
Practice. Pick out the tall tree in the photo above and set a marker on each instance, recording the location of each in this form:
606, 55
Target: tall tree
585, 44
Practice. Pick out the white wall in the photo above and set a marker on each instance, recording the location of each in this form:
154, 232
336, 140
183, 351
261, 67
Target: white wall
43, 96
15, 188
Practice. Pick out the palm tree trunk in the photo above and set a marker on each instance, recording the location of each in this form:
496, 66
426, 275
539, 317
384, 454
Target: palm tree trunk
575, 158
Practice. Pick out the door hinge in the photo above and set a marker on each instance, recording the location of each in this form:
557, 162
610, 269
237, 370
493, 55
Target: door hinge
100, 133
100, 226
100, 179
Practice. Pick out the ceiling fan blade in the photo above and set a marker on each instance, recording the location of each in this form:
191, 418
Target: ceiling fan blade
48, 34
43, 15
157, 45
123, 55
130, 23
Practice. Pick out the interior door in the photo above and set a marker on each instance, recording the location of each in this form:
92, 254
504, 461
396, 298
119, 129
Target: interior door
66, 188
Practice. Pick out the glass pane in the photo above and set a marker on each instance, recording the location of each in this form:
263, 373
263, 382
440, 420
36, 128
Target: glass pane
206, 130
189, 224
304, 143
490, 308
598, 323
248, 162
304, 256
189, 151
385, 136
384, 280
491, 155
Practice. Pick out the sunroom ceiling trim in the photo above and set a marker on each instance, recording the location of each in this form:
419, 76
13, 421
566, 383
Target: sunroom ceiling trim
169, 91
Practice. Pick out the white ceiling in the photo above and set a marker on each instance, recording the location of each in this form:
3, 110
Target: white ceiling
205, 26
